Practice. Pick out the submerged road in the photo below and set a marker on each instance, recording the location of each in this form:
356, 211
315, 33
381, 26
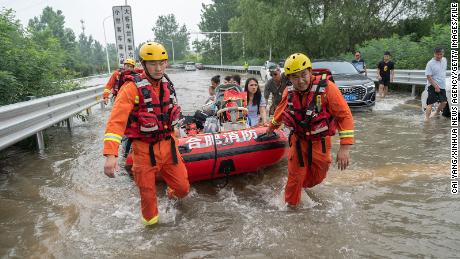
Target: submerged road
393, 201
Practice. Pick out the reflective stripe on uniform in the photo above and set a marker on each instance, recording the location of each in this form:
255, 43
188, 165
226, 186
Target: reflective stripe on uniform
107, 91
112, 137
152, 221
346, 134
136, 99
274, 122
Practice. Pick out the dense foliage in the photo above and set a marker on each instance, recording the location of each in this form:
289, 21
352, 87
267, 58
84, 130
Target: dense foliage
37, 60
410, 29
168, 32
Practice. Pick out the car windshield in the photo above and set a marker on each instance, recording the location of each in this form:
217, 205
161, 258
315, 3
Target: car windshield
336, 67
269, 64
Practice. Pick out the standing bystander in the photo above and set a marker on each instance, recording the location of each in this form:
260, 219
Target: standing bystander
385, 74
435, 72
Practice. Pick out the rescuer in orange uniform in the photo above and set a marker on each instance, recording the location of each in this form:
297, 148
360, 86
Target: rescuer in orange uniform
116, 79
147, 107
313, 108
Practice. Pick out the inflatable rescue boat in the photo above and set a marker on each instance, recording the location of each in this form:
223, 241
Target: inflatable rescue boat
218, 143
215, 155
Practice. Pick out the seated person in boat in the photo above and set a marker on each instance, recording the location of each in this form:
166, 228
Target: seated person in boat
235, 80
256, 103
215, 81
227, 79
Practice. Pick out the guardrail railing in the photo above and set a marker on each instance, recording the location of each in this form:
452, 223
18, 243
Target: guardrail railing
403, 76
251, 69
21, 120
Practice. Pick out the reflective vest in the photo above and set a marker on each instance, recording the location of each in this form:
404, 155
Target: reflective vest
123, 76
153, 117
311, 121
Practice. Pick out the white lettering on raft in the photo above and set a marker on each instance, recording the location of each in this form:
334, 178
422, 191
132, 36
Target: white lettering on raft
223, 139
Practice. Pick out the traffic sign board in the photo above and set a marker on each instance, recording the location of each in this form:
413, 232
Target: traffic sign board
124, 37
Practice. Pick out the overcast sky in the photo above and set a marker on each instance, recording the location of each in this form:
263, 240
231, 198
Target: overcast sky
93, 12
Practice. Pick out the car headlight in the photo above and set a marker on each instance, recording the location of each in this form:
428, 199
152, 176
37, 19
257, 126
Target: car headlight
370, 87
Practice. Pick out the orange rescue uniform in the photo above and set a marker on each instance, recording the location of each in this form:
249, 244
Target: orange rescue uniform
110, 84
175, 175
300, 177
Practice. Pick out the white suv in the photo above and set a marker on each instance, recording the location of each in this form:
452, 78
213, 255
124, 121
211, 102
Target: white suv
190, 66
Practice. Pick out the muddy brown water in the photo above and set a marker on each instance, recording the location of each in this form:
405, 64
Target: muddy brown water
394, 200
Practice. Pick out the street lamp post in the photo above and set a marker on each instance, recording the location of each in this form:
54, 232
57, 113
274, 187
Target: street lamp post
106, 46
220, 32
172, 46
220, 42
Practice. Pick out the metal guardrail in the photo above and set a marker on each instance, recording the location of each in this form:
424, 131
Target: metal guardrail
21, 120
251, 69
407, 77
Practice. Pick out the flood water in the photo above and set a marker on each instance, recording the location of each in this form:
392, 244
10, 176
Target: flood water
394, 201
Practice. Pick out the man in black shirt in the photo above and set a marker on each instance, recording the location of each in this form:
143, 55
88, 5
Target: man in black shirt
385, 74
359, 63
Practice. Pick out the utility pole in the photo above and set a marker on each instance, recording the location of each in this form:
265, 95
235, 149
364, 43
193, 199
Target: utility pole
106, 45
220, 32
172, 46
82, 26
220, 39
243, 45
270, 52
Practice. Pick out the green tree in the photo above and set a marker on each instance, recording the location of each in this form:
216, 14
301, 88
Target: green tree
321, 28
406, 52
215, 17
167, 29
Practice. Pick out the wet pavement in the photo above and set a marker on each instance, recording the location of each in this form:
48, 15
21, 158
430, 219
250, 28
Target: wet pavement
394, 200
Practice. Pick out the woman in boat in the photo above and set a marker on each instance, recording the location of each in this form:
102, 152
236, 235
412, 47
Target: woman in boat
256, 103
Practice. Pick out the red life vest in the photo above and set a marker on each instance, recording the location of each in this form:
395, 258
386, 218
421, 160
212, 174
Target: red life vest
153, 117
123, 76
311, 121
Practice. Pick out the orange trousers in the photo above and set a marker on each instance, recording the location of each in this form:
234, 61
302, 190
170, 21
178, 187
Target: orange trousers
175, 175
301, 177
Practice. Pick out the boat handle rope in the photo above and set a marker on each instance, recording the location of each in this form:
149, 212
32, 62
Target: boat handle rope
220, 186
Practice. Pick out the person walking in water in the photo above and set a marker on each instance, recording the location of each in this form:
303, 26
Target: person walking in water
385, 74
313, 108
435, 72
147, 108
117, 79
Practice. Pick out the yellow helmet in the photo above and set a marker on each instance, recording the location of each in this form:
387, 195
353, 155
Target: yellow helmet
130, 61
152, 51
295, 63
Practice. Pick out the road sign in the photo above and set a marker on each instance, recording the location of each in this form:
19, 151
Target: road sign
124, 37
